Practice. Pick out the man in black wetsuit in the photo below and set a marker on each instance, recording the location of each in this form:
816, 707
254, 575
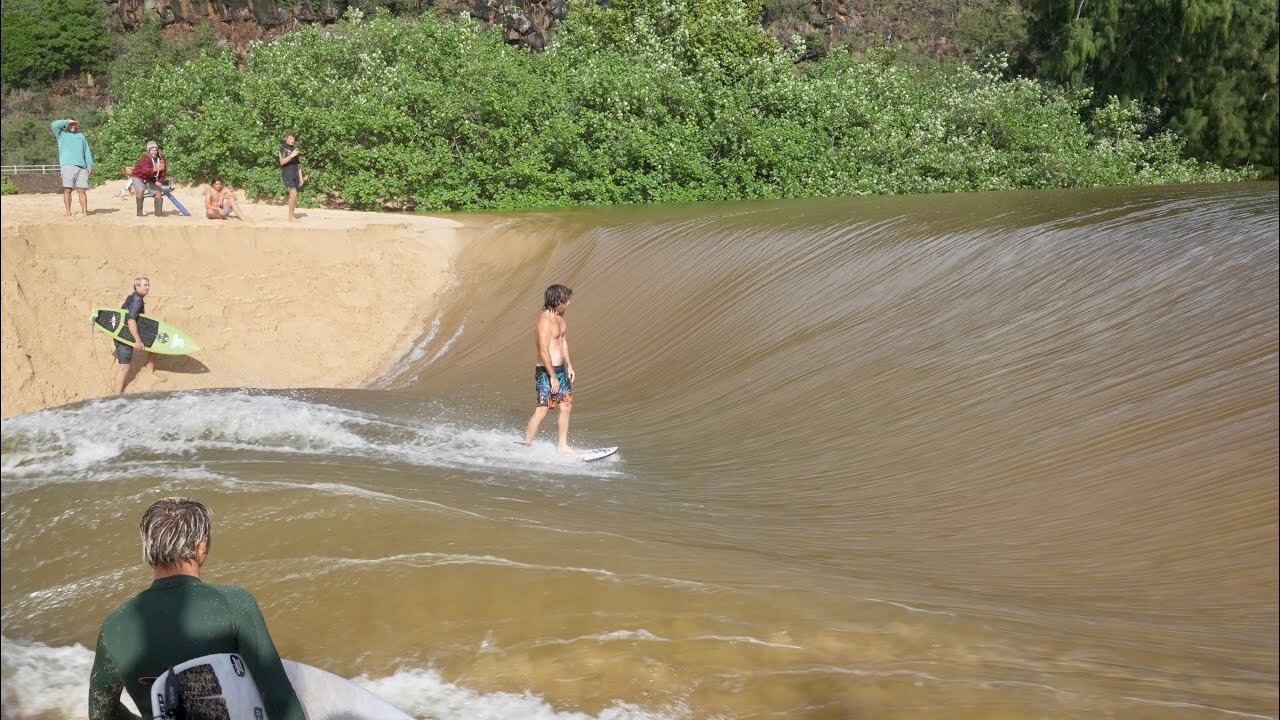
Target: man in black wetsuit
134, 305
180, 618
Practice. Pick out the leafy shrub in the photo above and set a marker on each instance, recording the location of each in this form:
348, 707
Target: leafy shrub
145, 50
1211, 68
7, 187
25, 138
621, 108
42, 39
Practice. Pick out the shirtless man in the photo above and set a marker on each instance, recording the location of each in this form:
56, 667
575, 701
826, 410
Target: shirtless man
220, 202
554, 387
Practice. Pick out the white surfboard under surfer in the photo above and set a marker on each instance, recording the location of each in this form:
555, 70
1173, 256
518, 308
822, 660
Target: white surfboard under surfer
553, 375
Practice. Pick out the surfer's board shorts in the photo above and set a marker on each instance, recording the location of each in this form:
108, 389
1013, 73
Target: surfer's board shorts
74, 176
124, 353
542, 384
292, 178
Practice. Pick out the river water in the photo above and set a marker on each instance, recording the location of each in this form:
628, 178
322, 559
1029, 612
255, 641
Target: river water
1004, 455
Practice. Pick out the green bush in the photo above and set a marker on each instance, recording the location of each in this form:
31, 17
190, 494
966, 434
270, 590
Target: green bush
436, 115
1212, 69
25, 137
43, 39
145, 51
7, 187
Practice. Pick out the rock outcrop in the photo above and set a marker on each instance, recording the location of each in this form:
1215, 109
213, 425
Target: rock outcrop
523, 22
819, 23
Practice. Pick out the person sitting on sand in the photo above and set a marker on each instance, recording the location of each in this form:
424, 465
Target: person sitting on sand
147, 175
220, 202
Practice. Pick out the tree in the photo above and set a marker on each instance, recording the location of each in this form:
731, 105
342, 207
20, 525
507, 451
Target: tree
1208, 66
46, 38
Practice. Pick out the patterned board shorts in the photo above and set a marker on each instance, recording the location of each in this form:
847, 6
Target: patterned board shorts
542, 384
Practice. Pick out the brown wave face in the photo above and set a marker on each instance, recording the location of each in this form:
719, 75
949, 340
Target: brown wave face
1006, 455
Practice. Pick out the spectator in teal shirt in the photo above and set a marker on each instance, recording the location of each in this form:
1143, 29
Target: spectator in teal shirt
76, 160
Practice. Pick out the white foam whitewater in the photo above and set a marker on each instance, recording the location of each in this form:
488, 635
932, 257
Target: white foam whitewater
78, 443
53, 682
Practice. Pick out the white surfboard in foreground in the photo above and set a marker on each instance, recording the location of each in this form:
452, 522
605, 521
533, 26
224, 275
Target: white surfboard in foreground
324, 696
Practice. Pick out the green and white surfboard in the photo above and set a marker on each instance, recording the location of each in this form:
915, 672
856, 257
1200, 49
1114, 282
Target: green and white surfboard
158, 336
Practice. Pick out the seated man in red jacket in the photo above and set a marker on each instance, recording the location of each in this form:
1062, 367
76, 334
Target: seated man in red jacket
148, 174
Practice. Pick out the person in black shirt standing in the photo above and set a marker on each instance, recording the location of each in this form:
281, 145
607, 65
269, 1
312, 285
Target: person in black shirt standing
290, 170
134, 305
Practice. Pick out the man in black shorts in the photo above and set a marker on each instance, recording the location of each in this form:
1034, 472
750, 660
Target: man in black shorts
290, 170
134, 305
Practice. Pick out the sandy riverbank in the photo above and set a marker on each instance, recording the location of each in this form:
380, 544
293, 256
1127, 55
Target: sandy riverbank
329, 301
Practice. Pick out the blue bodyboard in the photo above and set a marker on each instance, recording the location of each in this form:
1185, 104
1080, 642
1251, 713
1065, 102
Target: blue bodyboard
176, 204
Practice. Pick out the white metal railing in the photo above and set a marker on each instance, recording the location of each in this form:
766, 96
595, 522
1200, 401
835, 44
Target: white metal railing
28, 169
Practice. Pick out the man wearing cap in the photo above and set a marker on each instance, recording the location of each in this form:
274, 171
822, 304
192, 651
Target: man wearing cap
76, 160
148, 174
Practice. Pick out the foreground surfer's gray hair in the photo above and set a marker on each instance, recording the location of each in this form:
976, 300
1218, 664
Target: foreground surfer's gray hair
556, 296
139, 280
171, 528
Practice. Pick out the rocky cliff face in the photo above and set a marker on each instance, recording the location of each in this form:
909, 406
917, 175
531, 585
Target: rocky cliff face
523, 22
529, 22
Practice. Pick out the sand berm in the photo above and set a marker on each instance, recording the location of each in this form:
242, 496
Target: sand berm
329, 301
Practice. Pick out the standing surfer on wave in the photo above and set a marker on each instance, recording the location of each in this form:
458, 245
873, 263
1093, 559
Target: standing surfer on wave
179, 618
553, 375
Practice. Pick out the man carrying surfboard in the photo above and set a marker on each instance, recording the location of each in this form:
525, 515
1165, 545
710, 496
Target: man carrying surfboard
180, 617
553, 375
134, 305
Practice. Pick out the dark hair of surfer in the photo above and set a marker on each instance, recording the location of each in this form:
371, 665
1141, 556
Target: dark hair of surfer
556, 296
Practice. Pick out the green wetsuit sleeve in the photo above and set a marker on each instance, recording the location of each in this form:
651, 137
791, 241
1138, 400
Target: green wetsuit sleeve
260, 655
105, 685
